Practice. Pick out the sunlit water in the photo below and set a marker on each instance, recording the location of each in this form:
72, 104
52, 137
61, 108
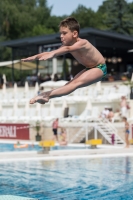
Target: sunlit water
80, 179
10, 147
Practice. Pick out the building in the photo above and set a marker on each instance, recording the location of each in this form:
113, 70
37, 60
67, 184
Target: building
116, 48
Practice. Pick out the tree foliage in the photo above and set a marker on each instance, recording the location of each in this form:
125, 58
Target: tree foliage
26, 18
117, 16
20, 17
86, 17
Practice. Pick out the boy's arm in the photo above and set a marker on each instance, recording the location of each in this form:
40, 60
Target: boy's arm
35, 57
61, 51
64, 49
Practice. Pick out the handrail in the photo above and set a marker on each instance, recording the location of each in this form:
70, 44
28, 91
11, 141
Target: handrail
106, 124
77, 134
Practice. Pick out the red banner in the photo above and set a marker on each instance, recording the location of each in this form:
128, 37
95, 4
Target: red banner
14, 131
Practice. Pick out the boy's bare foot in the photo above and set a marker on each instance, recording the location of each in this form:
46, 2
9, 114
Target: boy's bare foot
39, 99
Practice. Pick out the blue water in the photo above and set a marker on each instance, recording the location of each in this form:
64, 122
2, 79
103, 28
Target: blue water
69, 147
10, 147
82, 179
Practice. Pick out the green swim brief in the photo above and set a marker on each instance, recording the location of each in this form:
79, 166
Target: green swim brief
103, 67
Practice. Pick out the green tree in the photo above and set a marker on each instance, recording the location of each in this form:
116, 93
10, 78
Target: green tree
22, 18
53, 23
86, 17
117, 16
18, 18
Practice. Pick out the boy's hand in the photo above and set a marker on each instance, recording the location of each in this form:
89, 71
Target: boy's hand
47, 56
31, 58
43, 56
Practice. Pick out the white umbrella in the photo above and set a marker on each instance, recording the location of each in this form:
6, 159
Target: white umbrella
4, 78
4, 89
6, 63
53, 83
38, 109
52, 108
15, 105
132, 78
15, 89
36, 88
47, 84
98, 86
89, 105
60, 83
64, 105
26, 88
15, 108
27, 107
0, 107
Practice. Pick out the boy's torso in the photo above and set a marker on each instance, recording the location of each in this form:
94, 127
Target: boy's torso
88, 56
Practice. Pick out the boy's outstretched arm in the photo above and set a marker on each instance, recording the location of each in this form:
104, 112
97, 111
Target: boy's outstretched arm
64, 49
61, 51
35, 57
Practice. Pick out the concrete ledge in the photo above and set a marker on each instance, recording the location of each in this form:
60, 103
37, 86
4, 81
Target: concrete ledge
65, 154
11, 197
91, 151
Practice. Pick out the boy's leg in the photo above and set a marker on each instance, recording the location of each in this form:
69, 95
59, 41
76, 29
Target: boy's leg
84, 79
127, 140
47, 93
77, 75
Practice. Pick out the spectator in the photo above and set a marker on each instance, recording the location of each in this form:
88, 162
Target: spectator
110, 115
127, 132
105, 113
55, 129
56, 77
113, 139
63, 137
47, 78
123, 105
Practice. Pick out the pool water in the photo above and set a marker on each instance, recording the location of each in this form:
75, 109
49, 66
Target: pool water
80, 179
10, 147
69, 147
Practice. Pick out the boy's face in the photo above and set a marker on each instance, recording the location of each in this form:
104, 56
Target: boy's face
124, 120
67, 36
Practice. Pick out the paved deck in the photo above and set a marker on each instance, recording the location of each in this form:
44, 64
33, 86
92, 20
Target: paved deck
65, 154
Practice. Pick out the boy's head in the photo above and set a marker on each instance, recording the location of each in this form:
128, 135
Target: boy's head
69, 30
71, 23
123, 97
124, 119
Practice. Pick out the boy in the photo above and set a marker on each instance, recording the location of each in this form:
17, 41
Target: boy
83, 51
55, 128
127, 132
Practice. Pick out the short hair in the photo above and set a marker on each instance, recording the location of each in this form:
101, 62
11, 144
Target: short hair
71, 23
125, 118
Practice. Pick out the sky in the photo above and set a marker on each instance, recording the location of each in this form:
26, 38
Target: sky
62, 7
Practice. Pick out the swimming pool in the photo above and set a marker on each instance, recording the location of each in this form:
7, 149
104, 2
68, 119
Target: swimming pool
10, 147
80, 179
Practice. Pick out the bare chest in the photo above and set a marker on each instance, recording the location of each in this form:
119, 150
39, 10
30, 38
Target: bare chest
80, 57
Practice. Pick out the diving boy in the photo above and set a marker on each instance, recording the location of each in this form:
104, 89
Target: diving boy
83, 51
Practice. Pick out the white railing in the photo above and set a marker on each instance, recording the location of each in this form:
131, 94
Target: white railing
81, 134
105, 127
